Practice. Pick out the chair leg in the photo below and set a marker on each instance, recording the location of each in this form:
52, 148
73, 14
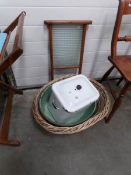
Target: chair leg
106, 74
5, 124
117, 102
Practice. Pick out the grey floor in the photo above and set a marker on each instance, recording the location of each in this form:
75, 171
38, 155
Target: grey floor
104, 149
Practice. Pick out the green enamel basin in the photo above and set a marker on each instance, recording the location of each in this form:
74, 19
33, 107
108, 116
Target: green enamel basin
78, 119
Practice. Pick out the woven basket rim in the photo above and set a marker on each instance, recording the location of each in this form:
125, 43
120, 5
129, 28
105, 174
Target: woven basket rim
71, 129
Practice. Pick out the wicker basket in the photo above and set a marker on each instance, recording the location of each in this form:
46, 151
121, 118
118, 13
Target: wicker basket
103, 110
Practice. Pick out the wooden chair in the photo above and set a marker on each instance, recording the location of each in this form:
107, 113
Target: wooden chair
66, 44
121, 62
7, 84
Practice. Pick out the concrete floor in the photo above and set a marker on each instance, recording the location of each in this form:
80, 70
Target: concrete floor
104, 149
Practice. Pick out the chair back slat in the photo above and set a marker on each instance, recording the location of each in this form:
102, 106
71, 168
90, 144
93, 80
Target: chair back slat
127, 6
124, 8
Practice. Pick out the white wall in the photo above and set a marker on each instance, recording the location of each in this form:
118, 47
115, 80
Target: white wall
32, 68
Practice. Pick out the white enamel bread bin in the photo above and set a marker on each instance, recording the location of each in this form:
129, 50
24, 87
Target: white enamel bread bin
71, 95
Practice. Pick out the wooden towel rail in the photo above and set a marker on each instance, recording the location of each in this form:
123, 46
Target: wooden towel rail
4, 65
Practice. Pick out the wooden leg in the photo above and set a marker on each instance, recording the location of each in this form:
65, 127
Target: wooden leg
117, 102
10, 142
106, 74
4, 132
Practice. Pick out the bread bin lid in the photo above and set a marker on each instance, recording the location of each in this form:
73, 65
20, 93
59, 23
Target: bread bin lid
75, 93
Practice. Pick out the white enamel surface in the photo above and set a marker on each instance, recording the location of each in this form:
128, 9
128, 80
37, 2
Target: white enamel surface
71, 98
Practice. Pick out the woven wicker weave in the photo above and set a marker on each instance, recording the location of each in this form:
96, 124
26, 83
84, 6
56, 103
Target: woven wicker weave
103, 110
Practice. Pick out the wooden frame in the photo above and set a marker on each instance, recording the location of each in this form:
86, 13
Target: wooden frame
5, 64
120, 62
49, 23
